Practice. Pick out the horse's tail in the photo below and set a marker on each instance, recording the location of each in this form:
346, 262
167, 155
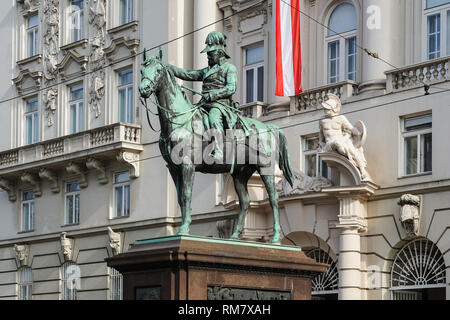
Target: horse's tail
284, 162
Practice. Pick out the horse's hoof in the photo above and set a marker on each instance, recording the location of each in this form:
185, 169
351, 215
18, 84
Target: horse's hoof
234, 237
183, 232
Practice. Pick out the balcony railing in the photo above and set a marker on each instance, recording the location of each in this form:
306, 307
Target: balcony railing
313, 98
117, 142
414, 76
253, 110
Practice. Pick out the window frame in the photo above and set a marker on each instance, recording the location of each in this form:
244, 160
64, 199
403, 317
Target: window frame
34, 115
73, 195
343, 71
115, 285
35, 32
255, 67
24, 286
343, 56
129, 111
81, 17
122, 185
419, 133
444, 12
68, 294
318, 163
131, 16
31, 212
79, 105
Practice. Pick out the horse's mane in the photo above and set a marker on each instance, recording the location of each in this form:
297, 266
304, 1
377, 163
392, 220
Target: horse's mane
170, 74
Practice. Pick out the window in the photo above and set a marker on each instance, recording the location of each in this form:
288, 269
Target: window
126, 96
32, 35
324, 286
25, 283
341, 44
70, 280
32, 121
76, 20
126, 11
437, 19
76, 109
313, 166
72, 204
418, 272
254, 74
116, 284
28, 211
122, 195
417, 144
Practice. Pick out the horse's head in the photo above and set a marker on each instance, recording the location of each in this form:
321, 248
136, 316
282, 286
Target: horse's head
151, 72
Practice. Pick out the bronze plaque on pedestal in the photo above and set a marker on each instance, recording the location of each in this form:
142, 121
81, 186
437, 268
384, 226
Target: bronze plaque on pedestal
196, 268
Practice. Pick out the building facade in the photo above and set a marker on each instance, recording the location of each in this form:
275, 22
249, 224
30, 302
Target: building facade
82, 177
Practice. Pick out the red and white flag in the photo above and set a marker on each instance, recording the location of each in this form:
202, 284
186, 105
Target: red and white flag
288, 48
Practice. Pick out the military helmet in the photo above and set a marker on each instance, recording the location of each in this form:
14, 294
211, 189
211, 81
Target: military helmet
216, 41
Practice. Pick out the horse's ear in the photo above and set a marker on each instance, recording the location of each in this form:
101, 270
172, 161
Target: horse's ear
145, 55
160, 55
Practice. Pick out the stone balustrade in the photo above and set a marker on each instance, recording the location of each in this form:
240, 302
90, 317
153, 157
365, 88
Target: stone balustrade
253, 110
313, 98
417, 75
88, 143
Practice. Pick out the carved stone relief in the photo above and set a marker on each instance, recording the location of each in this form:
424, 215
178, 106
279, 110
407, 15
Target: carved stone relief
114, 241
410, 213
97, 19
29, 5
22, 252
66, 246
51, 39
50, 98
302, 184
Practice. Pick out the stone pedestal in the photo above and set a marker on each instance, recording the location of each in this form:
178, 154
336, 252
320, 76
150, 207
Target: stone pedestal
195, 268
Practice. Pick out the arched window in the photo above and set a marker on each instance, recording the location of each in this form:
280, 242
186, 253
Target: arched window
115, 284
70, 280
325, 285
25, 283
341, 43
418, 272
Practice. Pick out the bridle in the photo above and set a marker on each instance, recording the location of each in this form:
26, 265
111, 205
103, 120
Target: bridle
171, 112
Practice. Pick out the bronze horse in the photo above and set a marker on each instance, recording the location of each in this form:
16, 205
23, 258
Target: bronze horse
177, 116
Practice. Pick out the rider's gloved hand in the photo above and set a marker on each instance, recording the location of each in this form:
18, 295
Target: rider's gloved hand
205, 98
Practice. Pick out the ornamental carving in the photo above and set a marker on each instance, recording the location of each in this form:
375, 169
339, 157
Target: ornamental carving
114, 241
46, 174
34, 182
29, 5
97, 19
410, 213
66, 247
97, 92
302, 184
51, 39
94, 164
132, 160
22, 252
74, 168
50, 99
8, 187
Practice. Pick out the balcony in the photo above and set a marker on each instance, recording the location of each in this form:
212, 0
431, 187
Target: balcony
313, 98
74, 154
417, 75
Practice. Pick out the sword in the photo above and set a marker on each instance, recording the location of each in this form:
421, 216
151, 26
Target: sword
198, 93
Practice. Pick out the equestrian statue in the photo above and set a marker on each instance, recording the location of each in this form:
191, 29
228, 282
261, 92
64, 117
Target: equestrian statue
257, 148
